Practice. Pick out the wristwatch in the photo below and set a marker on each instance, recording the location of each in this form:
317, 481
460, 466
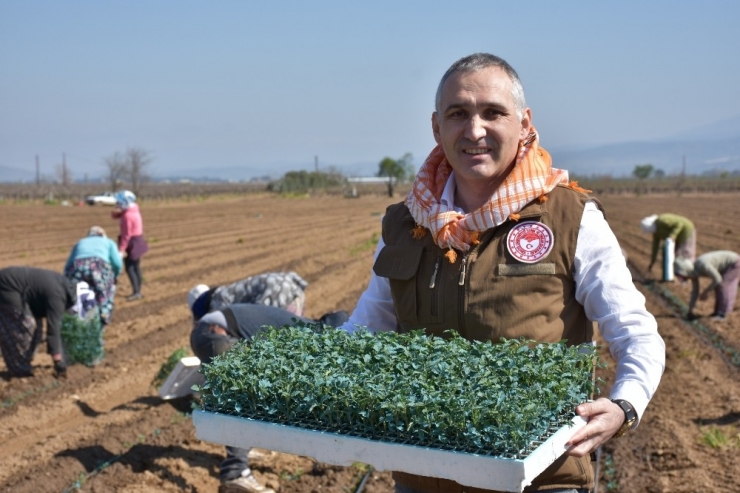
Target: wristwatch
630, 417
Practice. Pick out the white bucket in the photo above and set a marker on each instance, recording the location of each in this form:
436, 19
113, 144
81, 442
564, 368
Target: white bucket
669, 255
182, 378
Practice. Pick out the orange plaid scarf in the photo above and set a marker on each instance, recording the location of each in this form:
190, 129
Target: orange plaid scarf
532, 177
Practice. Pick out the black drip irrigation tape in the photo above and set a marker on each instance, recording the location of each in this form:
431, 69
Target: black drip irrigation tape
709, 336
84, 477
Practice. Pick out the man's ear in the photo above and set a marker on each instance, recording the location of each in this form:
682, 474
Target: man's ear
526, 124
435, 127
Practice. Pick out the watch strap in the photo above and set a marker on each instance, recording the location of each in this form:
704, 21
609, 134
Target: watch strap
630, 416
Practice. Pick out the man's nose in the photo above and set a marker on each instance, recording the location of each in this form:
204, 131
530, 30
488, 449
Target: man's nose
475, 129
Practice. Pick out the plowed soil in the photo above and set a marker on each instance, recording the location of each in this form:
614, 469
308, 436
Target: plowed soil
104, 429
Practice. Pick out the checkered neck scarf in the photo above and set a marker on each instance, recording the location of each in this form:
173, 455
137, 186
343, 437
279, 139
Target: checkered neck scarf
532, 177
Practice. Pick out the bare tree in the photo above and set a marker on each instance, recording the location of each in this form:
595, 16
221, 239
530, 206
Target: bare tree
63, 172
116, 165
137, 160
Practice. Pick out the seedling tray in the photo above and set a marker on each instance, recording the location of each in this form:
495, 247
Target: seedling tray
468, 469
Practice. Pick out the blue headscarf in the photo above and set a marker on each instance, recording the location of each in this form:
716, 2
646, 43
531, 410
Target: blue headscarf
124, 199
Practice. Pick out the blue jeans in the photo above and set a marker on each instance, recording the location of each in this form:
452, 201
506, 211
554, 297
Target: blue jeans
234, 463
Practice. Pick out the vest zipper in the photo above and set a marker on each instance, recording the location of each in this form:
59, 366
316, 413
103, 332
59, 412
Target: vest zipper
461, 297
433, 281
461, 282
434, 296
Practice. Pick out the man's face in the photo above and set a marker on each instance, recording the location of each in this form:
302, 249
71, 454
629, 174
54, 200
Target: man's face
478, 127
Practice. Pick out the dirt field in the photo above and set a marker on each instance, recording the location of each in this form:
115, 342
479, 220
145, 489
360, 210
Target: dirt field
104, 429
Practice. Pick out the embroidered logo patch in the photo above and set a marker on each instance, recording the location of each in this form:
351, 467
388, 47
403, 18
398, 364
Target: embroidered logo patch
530, 241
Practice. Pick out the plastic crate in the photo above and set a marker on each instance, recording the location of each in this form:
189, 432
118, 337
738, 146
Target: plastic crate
473, 470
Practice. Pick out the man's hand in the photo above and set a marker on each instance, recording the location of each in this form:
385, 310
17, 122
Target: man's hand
60, 369
604, 420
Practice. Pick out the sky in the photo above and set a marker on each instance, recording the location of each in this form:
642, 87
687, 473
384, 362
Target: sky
271, 86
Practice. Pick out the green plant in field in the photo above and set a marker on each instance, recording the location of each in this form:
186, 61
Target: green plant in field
83, 339
179, 418
168, 366
38, 390
450, 393
610, 473
366, 245
291, 476
717, 438
80, 481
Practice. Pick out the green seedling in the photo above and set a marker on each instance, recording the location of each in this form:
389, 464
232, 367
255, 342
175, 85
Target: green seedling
450, 393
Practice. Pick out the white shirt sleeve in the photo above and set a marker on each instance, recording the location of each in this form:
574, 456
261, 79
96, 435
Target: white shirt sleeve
374, 309
605, 289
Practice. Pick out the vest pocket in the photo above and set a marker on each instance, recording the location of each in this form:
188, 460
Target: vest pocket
406, 269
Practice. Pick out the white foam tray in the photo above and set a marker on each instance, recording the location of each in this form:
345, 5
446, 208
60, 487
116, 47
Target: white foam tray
467, 469
182, 378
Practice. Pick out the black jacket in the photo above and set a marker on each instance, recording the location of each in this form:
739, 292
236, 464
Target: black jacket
47, 294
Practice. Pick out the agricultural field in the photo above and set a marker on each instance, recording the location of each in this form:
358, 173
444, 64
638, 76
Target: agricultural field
105, 428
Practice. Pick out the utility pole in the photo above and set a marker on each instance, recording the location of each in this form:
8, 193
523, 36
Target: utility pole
682, 177
316, 163
38, 175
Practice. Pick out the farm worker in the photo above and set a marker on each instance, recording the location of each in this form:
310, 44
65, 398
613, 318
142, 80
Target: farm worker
131, 242
215, 333
723, 268
680, 229
494, 242
28, 295
95, 259
280, 289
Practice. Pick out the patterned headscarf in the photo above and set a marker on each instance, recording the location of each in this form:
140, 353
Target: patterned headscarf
532, 176
125, 198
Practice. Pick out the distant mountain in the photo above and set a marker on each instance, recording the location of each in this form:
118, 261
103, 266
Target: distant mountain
712, 147
618, 160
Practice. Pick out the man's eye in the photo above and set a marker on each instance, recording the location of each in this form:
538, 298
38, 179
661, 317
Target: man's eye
493, 114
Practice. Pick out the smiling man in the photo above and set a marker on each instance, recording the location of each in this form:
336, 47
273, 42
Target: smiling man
494, 242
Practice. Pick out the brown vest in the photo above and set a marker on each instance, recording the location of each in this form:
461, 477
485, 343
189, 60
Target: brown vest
488, 294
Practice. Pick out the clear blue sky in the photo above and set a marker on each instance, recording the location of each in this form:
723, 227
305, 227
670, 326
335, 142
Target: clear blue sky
268, 85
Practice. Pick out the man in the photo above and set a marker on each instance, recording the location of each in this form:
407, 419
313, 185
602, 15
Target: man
493, 242
680, 229
218, 331
723, 268
280, 289
28, 295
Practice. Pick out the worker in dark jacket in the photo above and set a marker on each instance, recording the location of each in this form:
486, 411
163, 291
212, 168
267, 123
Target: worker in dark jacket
215, 333
28, 295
